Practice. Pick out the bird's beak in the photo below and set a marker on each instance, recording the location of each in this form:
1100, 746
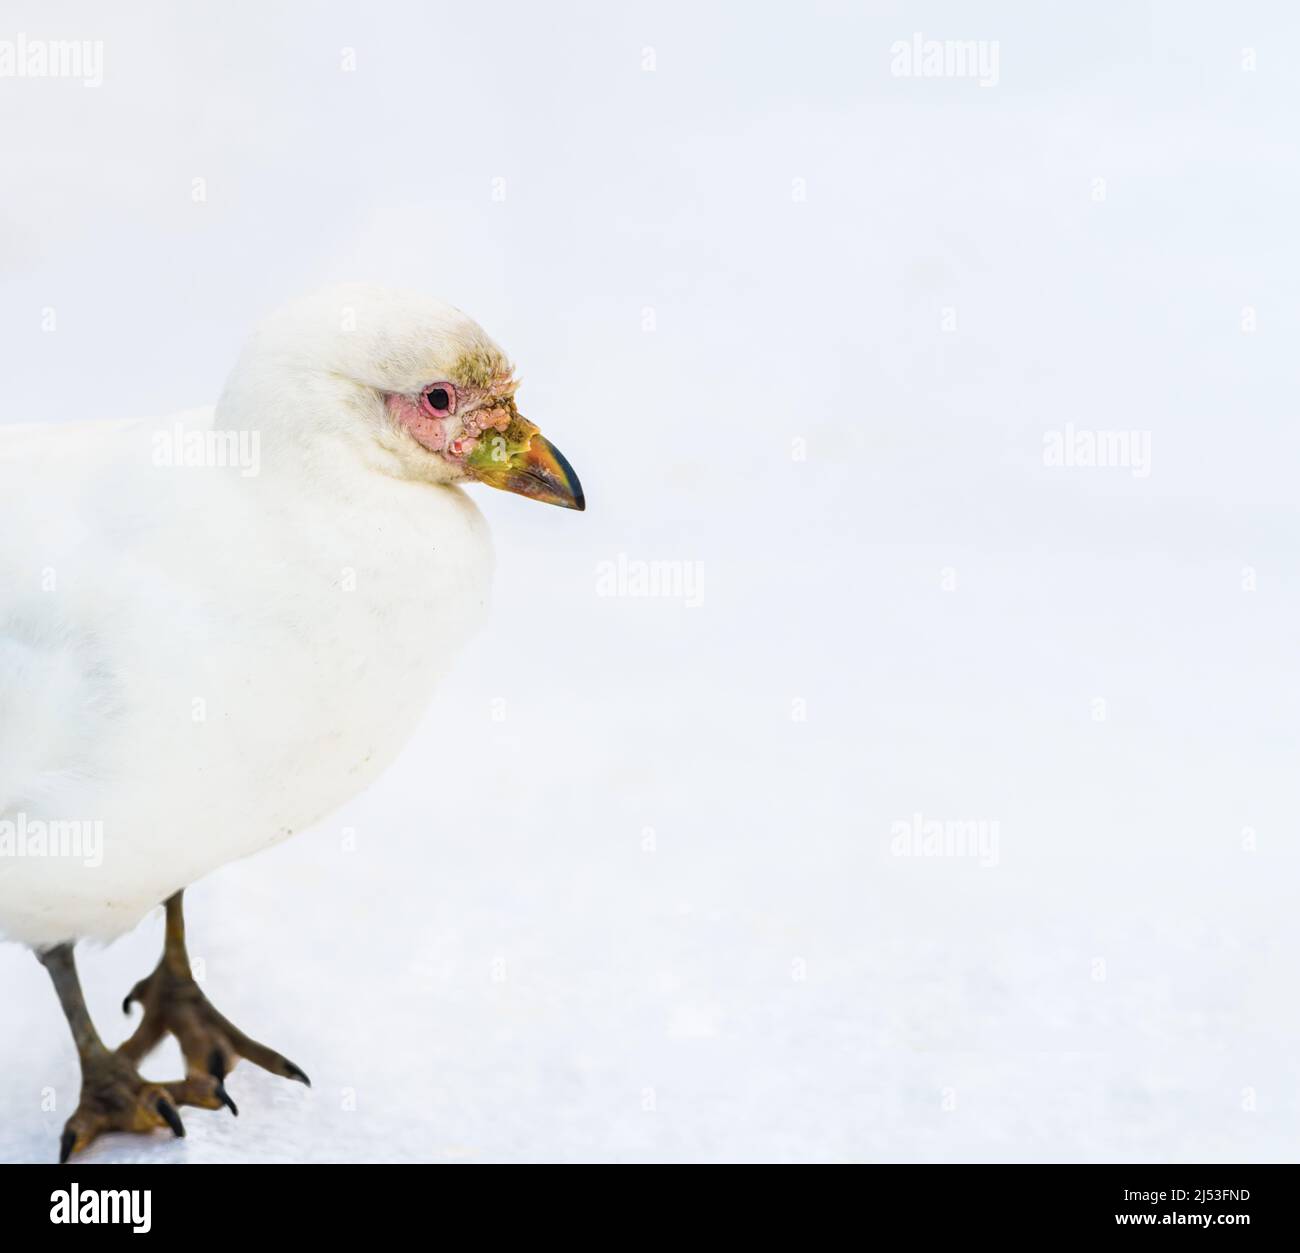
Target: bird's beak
521, 459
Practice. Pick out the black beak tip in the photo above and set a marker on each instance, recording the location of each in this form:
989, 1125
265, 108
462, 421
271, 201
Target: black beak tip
579, 500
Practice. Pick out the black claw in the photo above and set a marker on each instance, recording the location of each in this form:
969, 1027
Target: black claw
217, 1065
293, 1072
171, 1117
224, 1097
65, 1146
126, 1004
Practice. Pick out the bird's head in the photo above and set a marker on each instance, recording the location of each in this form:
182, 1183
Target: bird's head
418, 384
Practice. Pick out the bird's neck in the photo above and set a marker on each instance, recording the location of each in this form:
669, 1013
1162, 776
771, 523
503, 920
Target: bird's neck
293, 444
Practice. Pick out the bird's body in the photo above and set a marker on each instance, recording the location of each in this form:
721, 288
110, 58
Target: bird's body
216, 629
203, 661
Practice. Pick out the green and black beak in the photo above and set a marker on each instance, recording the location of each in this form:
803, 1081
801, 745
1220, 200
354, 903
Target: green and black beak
521, 459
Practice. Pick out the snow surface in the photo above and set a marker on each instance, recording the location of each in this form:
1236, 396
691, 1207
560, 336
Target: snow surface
653, 914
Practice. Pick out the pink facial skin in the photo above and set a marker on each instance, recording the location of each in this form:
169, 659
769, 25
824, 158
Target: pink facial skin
451, 437
412, 413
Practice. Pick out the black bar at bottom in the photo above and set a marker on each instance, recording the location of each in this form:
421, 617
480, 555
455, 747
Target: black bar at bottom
342, 1202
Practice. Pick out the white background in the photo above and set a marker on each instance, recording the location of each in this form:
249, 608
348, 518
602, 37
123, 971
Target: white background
499, 971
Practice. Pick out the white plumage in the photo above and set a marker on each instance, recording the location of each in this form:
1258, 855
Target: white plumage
206, 660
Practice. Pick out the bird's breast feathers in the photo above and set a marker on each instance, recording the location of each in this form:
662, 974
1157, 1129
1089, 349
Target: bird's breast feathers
204, 662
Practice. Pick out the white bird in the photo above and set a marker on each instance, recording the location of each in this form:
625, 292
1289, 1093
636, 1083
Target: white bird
216, 629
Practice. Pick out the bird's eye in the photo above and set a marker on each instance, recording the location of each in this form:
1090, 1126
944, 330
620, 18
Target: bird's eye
441, 399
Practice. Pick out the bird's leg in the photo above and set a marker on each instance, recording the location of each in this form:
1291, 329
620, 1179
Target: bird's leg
114, 1097
211, 1044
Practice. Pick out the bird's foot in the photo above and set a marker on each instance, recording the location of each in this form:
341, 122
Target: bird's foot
115, 1097
211, 1044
